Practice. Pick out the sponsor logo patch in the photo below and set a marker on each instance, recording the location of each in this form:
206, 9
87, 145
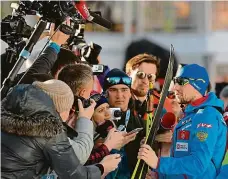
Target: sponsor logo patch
202, 136
186, 121
204, 125
182, 146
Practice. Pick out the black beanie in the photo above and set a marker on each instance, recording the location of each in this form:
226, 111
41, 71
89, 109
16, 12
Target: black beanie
114, 73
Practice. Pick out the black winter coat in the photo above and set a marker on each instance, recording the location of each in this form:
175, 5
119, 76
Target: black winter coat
33, 138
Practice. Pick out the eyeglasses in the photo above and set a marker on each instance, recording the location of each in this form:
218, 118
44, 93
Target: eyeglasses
141, 75
184, 81
119, 80
181, 81
97, 97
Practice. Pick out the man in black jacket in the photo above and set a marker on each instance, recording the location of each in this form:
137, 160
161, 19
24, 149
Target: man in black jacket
117, 84
34, 137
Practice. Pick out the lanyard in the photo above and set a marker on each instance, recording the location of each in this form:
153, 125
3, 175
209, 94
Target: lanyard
127, 117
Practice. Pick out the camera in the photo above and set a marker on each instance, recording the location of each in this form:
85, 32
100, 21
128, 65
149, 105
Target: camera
85, 103
116, 113
14, 29
77, 43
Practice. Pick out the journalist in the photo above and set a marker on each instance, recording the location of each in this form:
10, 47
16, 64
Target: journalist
106, 136
32, 124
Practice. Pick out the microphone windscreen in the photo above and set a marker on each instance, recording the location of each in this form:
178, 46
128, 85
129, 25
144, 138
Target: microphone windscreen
168, 121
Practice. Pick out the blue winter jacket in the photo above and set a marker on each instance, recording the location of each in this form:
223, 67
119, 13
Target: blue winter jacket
223, 172
199, 142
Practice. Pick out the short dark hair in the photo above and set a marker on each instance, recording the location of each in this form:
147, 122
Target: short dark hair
65, 57
142, 58
76, 76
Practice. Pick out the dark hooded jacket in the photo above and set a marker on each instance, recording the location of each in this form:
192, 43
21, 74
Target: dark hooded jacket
34, 138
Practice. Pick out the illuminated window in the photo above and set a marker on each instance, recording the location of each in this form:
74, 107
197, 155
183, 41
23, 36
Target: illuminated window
220, 15
168, 16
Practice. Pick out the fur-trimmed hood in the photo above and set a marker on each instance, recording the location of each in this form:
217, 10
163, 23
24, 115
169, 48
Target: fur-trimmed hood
28, 111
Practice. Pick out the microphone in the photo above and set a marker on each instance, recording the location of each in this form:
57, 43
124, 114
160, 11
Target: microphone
91, 16
167, 122
103, 129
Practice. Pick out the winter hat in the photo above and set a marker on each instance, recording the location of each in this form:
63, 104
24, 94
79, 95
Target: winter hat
60, 93
101, 101
116, 73
99, 98
197, 75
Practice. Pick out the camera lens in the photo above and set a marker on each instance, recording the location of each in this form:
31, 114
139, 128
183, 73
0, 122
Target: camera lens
117, 113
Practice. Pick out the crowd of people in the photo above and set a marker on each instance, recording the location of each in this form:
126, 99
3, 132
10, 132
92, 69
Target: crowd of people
48, 131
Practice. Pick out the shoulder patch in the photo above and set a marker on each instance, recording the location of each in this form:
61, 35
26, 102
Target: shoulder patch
202, 136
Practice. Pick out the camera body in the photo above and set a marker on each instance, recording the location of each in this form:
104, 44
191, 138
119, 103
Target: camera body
14, 29
52, 11
77, 43
115, 113
85, 103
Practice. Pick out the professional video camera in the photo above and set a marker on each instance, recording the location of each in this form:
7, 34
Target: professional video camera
77, 43
15, 27
50, 11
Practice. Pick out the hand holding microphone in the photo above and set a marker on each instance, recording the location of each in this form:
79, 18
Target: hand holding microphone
167, 123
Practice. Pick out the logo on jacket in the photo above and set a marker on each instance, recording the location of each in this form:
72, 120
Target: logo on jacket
204, 125
202, 136
183, 135
182, 146
186, 121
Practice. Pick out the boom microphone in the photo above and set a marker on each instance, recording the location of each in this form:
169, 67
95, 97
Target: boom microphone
167, 122
91, 16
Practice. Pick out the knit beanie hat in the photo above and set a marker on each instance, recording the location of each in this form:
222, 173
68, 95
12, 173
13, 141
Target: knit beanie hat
60, 93
197, 75
116, 73
101, 101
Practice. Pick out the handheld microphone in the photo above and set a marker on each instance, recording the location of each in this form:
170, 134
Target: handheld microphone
90, 16
167, 122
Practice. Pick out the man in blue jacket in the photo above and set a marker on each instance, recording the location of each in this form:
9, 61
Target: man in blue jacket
199, 139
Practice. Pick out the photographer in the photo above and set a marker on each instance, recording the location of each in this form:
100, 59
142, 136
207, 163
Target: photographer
31, 125
79, 78
53, 56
